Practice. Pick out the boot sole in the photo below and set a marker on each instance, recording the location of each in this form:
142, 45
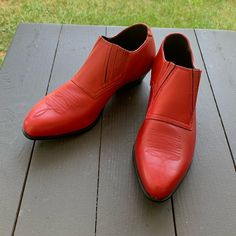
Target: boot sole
81, 131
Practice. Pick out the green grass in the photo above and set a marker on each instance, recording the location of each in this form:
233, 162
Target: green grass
216, 14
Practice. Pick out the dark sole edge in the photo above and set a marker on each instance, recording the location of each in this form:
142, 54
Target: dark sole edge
149, 197
81, 131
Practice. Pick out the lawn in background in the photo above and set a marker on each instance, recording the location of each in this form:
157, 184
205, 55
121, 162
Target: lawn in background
211, 14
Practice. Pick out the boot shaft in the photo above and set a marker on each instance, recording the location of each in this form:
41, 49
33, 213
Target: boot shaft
174, 83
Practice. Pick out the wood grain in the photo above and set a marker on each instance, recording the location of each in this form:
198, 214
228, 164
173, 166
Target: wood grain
219, 53
23, 80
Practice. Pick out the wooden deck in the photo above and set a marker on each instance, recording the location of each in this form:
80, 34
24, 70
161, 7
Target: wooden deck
85, 185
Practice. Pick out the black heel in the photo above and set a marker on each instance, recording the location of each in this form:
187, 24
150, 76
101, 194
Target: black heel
132, 84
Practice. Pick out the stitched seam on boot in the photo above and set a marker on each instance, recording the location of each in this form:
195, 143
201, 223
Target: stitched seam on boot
107, 64
164, 83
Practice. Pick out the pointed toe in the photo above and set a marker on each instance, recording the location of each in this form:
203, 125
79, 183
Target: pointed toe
157, 174
160, 191
29, 129
39, 122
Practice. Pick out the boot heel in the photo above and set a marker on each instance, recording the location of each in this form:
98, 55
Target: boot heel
132, 84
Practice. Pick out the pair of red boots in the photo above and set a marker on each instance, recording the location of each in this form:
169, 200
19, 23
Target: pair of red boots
165, 143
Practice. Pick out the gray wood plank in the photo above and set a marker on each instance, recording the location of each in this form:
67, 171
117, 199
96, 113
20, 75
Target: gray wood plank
23, 80
60, 194
122, 207
219, 52
205, 202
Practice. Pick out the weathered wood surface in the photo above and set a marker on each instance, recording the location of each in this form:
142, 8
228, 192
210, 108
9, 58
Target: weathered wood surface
23, 80
219, 52
86, 185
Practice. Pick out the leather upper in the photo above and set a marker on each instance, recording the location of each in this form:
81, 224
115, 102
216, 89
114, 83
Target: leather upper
166, 140
112, 63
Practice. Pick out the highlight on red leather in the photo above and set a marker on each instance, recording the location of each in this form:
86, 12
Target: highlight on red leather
75, 106
165, 143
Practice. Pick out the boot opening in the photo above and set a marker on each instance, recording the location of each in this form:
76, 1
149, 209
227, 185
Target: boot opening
131, 38
177, 50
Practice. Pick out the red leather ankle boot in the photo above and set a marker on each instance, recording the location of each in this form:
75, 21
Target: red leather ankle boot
165, 143
76, 105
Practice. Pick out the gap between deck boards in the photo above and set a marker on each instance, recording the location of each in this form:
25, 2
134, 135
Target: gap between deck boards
217, 106
33, 146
